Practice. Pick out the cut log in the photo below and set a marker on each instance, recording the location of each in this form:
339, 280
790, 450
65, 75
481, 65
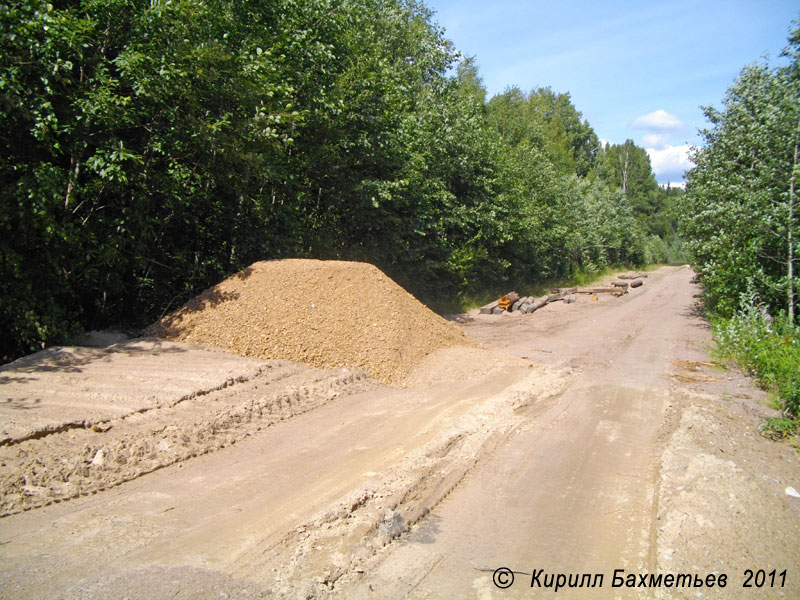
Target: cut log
636, 283
561, 293
638, 276
487, 309
498, 311
523, 302
538, 304
621, 284
597, 290
516, 306
506, 301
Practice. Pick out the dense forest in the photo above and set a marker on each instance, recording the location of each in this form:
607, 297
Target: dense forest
150, 149
741, 222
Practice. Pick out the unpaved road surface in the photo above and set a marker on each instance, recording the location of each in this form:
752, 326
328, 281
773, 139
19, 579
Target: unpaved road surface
585, 438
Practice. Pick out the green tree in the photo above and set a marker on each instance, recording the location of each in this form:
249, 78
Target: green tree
141, 143
627, 167
740, 215
549, 121
573, 143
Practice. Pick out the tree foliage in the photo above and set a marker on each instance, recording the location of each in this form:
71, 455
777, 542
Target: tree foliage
740, 217
151, 148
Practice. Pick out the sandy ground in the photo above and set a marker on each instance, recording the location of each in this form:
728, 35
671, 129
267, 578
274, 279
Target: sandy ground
584, 438
70, 387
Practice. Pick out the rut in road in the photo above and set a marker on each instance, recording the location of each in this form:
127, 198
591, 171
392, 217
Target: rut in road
303, 499
574, 490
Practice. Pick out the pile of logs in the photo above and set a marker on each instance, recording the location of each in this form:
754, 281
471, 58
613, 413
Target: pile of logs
512, 302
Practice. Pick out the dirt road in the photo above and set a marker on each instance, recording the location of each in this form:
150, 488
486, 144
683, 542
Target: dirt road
601, 437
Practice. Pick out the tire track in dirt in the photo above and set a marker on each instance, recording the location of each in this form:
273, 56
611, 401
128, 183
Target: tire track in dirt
72, 462
574, 490
306, 500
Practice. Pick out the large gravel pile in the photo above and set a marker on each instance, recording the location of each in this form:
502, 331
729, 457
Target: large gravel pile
323, 313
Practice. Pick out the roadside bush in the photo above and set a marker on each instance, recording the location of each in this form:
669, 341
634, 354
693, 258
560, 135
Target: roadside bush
656, 250
766, 346
778, 428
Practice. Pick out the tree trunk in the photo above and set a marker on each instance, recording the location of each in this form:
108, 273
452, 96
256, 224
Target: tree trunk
534, 306
74, 173
598, 290
789, 235
625, 171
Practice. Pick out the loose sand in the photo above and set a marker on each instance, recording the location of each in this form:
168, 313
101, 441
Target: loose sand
322, 313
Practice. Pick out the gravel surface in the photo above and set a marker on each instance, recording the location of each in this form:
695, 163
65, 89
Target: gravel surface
322, 313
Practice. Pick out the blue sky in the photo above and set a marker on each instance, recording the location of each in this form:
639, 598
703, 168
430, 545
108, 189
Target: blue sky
636, 70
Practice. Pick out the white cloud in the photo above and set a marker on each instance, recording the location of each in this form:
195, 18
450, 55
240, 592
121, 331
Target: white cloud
655, 140
659, 120
670, 163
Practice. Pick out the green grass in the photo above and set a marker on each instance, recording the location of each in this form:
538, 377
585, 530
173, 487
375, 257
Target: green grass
778, 428
768, 348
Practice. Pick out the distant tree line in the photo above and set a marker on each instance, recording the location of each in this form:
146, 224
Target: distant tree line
151, 148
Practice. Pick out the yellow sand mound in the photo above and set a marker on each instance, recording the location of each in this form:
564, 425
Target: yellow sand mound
323, 313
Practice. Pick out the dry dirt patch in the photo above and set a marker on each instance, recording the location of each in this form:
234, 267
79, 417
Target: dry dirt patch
723, 506
322, 313
74, 387
95, 419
